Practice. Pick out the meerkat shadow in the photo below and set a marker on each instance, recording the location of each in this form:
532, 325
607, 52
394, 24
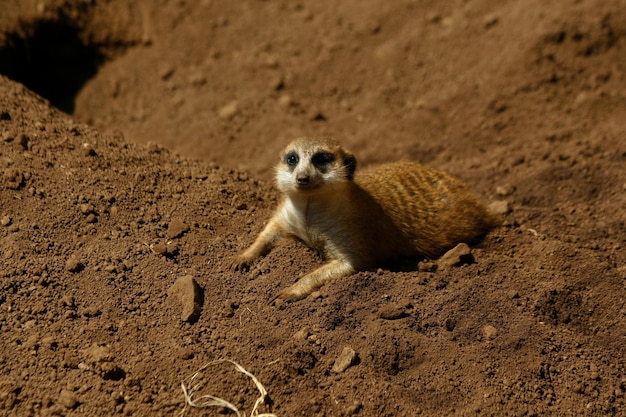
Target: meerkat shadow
421, 263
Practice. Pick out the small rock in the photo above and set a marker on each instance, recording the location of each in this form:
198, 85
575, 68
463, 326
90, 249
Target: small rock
68, 399
449, 324
393, 311
228, 111
499, 207
190, 295
48, 342
88, 150
490, 21
302, 334
186, 353
176, 229
459, 255
166, 72
285, 101
513, 294
504, 190
346, 359
353, 409
86, 208
74, 264
5, 221
197, 79
490, 332
427, 266
160, 249
110, 268
91, 311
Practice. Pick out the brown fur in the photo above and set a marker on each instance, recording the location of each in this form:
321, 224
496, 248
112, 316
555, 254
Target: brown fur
359, 220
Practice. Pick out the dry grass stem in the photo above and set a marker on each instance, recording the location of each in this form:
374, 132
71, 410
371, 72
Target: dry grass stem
205, 401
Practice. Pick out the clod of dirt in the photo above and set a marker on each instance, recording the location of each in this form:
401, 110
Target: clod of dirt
490, 332
74, 263
100, 359
228, 111
394, 311
346, 359
302, 334
9, 390
459, 255
176, 229
86, 208
499, 207
353, 409
504, 190
68, 399
449, 324
165, 249
190, 295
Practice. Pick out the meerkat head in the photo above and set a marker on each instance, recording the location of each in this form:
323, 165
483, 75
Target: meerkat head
312, 165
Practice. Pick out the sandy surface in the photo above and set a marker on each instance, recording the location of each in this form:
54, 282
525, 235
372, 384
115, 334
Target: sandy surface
163, 171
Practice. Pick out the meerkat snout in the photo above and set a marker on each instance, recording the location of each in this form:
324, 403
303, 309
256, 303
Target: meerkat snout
400, 209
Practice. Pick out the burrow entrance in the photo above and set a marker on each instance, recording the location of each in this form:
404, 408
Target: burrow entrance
56, 56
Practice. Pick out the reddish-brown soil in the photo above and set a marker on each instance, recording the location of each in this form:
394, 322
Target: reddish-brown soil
163, 170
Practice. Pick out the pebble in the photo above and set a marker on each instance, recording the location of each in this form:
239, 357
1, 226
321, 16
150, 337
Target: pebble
346, 359
457, 256
88, 150
302, 334
68, 399
499, 207
73, 263
353, 409
228, 111
86, 208
504, 190
490, 332
187, 290
176, 228
5, 221
160, 249
394, 311
449, 324
513, 294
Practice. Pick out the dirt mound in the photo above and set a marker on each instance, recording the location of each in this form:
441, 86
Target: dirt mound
115, 245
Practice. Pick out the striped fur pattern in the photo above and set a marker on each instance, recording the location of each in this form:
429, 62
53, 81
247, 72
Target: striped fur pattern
357, 220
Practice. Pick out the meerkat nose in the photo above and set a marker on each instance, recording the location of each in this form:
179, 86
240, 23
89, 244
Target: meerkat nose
304, 180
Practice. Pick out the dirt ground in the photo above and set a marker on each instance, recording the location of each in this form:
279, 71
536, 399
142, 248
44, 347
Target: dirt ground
160, 165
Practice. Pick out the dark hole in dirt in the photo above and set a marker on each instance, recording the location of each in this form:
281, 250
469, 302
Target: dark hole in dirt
51, 60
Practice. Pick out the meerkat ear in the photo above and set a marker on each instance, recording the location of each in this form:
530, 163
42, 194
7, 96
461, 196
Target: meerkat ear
349, 161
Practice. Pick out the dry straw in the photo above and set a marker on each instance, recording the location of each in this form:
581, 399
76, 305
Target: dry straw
205, 401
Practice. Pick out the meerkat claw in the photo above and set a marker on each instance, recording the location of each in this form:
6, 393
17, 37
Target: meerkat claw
290, 295
240, 265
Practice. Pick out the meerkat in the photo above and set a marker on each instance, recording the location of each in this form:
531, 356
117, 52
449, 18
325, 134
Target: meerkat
357, 221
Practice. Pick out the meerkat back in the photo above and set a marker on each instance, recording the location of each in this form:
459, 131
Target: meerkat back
433, 210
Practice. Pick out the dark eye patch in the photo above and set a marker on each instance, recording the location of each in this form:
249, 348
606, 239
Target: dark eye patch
322, 159
292, 159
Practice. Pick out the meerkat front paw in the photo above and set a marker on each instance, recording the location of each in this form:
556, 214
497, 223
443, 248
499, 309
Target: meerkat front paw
241, 263
296, 292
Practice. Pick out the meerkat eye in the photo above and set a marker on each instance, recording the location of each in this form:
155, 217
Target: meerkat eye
292, 159
321, 159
